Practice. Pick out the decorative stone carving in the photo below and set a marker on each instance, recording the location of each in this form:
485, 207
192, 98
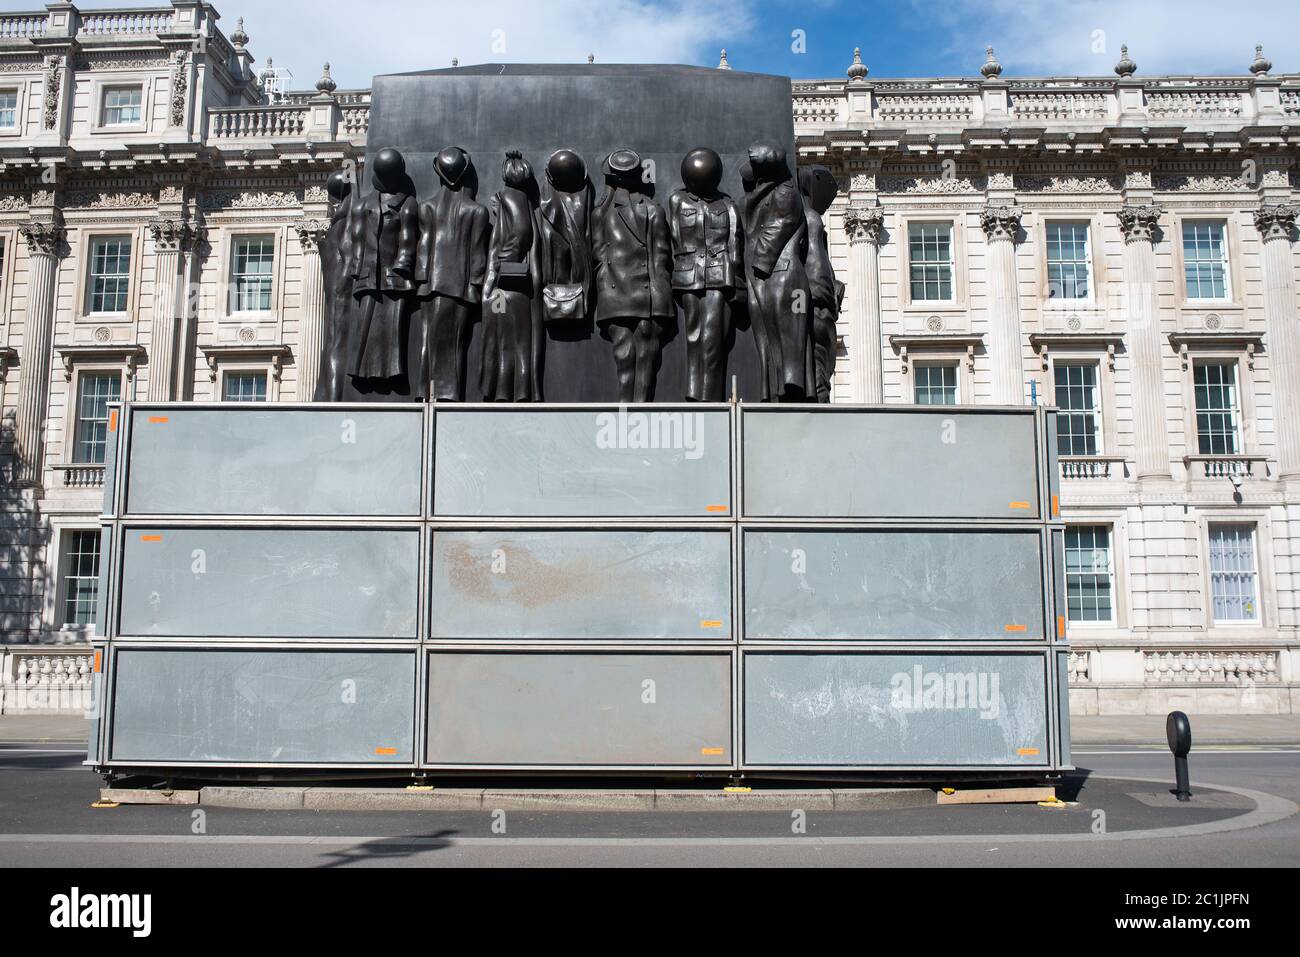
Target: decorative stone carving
10, 204
1034, 183
310, 233
315, 194
180, 87
43, 238
863, 223
1001, 222
171, 194
53, 84
42, 197
1276, 220
249, 199
175, 234
94, 199
1139, 223
932, 184
1191, 183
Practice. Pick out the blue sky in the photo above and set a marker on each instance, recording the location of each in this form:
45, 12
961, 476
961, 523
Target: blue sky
899, 38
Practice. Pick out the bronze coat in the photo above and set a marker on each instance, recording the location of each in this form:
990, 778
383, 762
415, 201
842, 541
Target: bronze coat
632, 249
706, 241
451, 257
384, 231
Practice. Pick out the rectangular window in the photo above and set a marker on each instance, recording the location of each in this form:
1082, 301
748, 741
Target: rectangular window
80, 576
95, 390
122, 106
1067, 261
935, 384
1217, 411
244, 387
1089, 575
252, 267
110, 273
8, 109
1078, 426
930, 258
1205, 260
1233, 579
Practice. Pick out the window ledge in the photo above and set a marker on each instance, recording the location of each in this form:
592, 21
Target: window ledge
1089, 466
1222, 466
80, 475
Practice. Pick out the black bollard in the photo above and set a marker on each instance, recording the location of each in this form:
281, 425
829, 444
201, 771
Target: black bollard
1179, 732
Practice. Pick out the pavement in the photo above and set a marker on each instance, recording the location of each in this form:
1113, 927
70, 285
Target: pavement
1091, 730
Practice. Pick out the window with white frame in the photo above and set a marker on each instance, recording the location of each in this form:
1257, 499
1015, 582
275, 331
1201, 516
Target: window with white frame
79, 588
1068, 261
1218, 410
8, 109
95, 390
1234, 580
252, 269
1205, 259
930, 260
1078, 426
110, 273
1089, 574
122, 106
935, 383
243, 387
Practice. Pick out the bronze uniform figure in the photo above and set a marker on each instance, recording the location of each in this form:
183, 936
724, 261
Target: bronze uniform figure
819, 190
632, 250
450, 267
338, 291
705, 226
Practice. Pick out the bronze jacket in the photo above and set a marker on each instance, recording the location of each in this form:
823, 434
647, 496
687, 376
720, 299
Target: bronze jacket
451, 259
706, 241
383, 231
632, 250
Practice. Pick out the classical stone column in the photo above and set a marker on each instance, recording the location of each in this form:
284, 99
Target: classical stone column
44, 240
171, 237
1144, 344
1276, 224
311, 233
1006, 356
863, 225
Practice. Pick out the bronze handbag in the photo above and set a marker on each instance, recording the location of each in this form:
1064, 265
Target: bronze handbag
563, 301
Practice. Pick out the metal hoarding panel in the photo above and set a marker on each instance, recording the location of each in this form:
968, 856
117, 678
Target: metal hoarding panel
895, 584
269, 461
1063, 703
890, 709
270, 582
570, 463
563, 584
925, 464
579, 709
197, 705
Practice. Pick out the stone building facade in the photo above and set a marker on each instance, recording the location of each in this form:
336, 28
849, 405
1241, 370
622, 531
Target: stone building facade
1123, 247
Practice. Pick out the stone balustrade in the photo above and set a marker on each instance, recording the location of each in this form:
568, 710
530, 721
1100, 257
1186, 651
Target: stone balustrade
132, 22
46, 681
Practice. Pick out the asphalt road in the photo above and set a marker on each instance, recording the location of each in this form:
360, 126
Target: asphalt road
46, 819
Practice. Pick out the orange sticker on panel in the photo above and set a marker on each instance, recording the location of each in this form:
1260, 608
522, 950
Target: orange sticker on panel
1019, 505
710, 622
385, 750
112, 420
711, 751
158, 419
98, 663
715, 508
1027, 752
151, 538
1016, 627
1060, 626
1056, 505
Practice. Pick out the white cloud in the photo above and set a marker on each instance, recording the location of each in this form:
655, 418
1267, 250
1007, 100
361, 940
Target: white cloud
1083, 37
362, 38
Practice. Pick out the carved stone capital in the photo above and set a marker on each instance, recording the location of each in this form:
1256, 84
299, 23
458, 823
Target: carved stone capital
1276, 220
43, 238
311, 232
1138, 223
1001, 222
175, 234
863, 223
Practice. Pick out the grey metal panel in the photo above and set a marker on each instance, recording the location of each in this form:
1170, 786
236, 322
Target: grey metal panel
272, 706
554, 708
882, 464
603, 462
901, 584
1063, 703
270, 582
102, 589
1058, 584
560, 583
873, 709
110, 458
268, 461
